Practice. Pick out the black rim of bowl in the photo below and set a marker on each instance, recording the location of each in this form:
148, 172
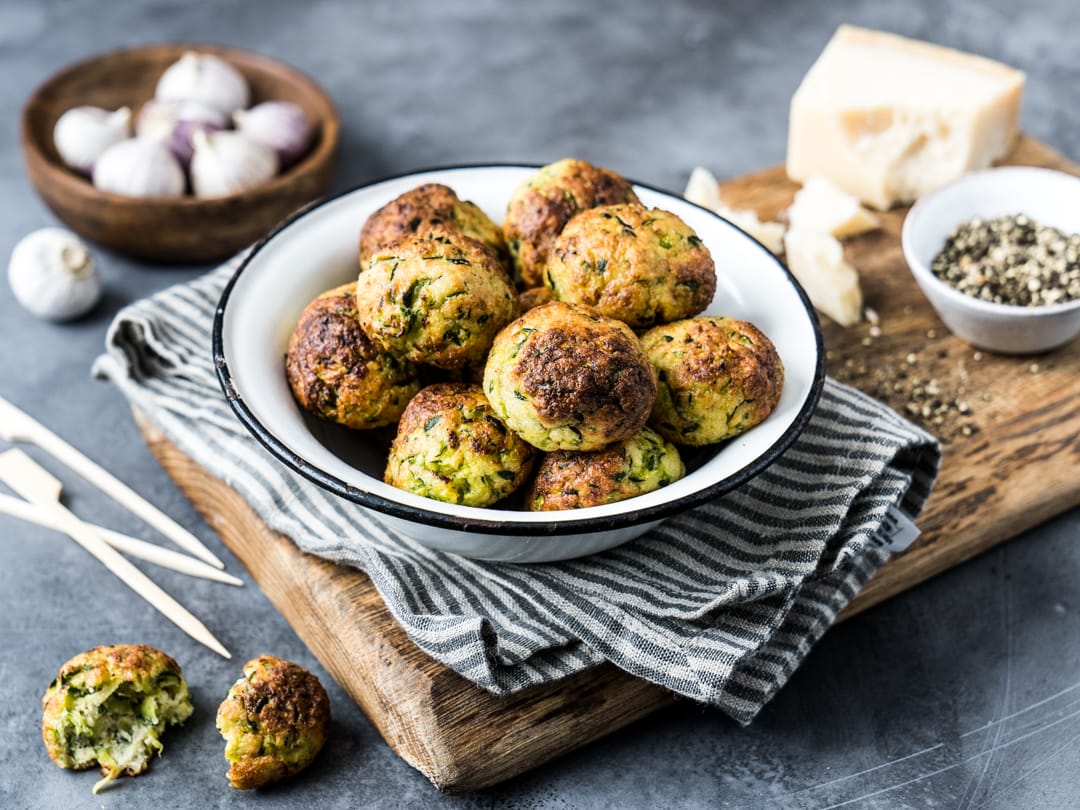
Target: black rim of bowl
507, 527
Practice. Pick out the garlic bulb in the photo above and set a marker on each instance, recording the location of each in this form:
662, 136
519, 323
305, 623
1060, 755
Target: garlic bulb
205, 78
139, 167
176, 121
52, 275
278, 125
82, 133
228, 162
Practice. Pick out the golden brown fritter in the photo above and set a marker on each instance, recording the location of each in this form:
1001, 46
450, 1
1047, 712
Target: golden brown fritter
275, 720
718, 377
570, 480
628, 262
564, 377
451, 447
337, 373
541, 206
423, 208
108, 707
437, 298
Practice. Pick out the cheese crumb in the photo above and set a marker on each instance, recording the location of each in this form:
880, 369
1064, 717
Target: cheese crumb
703, 189
822, 207
817, 262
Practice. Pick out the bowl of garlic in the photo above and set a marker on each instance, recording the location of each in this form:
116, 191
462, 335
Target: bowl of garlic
178, 153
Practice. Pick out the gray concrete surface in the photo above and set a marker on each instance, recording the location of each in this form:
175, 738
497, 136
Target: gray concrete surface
964, 692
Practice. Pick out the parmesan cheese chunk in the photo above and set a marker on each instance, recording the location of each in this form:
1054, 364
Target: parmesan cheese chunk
888, 119
821, 207
817, 261
702, 189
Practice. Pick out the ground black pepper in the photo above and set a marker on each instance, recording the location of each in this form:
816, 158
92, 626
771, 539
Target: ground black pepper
1011, 260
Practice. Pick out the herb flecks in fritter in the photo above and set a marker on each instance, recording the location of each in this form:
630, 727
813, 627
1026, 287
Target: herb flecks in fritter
564, 377
108, 707
628, 262
337, 373
626, 469
437, 298
274, 720
450, 446
718, 377
542, 205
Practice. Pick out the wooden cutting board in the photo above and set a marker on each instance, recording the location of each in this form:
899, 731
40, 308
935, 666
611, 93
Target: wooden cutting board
1009, 426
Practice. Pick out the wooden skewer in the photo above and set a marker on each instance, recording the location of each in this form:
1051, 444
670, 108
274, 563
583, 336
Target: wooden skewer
133, 547
17, 425
26, 477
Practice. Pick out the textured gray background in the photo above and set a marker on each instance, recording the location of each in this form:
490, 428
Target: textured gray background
963, 692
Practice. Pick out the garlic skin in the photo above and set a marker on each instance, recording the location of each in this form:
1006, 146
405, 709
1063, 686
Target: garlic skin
53, 275
278, 125
82, 133
207, 79
139, 167
175, 122
228, 162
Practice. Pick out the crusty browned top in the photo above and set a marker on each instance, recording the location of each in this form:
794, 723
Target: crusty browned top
282, 697
580, 363
426, 205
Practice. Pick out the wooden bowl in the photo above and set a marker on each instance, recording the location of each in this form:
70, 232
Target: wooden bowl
172, 230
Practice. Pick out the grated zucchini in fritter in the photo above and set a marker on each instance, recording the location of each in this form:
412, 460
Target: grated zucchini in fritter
108, 707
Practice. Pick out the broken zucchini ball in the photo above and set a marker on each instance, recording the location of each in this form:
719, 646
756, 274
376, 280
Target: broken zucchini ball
108, 707
274, 720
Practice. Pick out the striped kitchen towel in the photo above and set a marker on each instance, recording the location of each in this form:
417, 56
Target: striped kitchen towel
719, 604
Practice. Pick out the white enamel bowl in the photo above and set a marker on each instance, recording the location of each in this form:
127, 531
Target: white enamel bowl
316, 250
1050, 198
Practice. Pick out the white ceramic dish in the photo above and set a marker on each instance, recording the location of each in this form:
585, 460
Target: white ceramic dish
316, 250
1050, 198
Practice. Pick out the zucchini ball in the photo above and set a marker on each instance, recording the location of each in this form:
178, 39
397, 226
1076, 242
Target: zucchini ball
109, 706
626, 469
628, 262
564, 377
337, 373
423, 208
542, 205
451, 447
718, 377
274, 720
438, 299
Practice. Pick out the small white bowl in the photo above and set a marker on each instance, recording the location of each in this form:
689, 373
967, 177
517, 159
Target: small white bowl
316, 250
1050, 198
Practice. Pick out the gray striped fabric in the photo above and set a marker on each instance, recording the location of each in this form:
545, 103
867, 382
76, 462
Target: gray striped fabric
719, 604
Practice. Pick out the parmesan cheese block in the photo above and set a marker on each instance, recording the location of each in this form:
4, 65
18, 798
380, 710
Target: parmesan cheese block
888, 119
702, 189
822, 207
817, 261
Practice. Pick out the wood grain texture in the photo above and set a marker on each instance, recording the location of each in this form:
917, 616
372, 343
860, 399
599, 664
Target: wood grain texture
186, 229
1017, 468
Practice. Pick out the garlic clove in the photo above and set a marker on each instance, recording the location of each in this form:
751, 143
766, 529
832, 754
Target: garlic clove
204, 78
278, 125
228, 162
82, 133
175, 122
158, 119
139, 167
53, 275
